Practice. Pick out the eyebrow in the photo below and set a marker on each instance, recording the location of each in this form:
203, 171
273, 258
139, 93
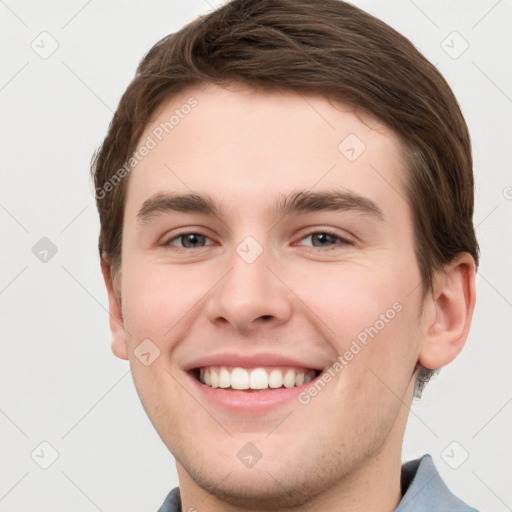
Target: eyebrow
299, 202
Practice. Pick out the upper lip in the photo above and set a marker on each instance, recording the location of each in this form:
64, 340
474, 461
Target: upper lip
246, 360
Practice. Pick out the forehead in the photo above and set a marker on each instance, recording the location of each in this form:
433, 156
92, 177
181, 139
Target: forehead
245, 145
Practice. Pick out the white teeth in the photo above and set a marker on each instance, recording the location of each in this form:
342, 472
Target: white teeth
214, 376
289, 379
239, 379
275, 379
224, 378
256, 378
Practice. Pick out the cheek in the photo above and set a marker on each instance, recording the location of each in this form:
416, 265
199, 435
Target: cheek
370, 319
349, 298
156, 296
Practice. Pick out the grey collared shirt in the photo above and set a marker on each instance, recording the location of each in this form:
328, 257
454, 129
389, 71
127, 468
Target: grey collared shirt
423, 490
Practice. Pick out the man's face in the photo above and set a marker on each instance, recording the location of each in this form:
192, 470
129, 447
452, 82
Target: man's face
261, 286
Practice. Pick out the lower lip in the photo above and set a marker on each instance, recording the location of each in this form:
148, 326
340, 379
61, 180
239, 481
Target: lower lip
240, 401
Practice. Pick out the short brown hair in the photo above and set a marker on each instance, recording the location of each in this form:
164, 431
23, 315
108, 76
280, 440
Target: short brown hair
329, 48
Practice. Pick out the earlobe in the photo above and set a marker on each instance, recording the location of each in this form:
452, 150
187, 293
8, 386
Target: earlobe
116, 316
453, 302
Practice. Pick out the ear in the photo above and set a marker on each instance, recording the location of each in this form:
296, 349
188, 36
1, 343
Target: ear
452, 303
116, 315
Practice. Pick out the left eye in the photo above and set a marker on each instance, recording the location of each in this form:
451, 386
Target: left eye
325, 239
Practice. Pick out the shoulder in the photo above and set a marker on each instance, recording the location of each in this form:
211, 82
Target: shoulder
172, 502
424, 490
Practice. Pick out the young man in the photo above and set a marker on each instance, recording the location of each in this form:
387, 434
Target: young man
286, 201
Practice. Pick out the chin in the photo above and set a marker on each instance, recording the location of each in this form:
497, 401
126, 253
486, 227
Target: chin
268, 485
257, 489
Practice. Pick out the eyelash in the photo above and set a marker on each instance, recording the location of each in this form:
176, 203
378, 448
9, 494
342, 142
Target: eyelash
343, 241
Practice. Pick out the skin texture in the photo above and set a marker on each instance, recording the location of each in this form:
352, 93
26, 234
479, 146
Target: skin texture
342, 450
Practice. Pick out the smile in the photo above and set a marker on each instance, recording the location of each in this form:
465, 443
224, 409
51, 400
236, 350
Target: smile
260, 378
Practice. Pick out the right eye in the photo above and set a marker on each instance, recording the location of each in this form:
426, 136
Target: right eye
187, 240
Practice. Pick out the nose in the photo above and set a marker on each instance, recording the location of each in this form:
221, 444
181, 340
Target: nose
250, 296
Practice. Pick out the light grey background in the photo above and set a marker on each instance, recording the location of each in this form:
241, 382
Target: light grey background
61, 384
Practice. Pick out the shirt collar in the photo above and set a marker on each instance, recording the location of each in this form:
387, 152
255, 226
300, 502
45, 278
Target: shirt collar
425, 490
